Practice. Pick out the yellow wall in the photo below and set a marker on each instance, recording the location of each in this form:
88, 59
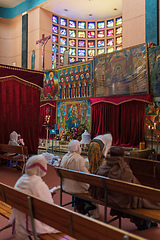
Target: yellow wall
133, 25
11, 40
39, 22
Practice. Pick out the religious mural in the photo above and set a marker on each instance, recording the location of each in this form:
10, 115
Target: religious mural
121, 73
70, 114
154, 70
75, 81
152, 120
50, 86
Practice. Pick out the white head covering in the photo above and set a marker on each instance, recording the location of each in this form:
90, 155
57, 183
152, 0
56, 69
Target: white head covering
36, 165
74, 146
107, 140
14, 136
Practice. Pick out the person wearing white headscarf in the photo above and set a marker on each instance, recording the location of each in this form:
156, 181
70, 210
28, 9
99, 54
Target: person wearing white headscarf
73, 160
31, 183
98, 150
13, 139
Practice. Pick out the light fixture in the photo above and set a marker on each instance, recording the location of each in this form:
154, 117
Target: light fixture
66, 10
90, 14
24, 13
115, 9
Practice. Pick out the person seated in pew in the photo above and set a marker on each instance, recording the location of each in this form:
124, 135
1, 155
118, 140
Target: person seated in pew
115, 167
31, 183
98, 150
15, 140
74, 161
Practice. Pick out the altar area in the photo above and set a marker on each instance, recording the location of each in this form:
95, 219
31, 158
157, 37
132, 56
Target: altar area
63, 149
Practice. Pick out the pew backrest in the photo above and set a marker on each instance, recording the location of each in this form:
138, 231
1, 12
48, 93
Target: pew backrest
111, 184
66, 221
147, 171
5, 148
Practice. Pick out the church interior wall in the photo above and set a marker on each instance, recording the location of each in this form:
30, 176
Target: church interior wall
11, 40
46, 28
133, 25
39, 22
33, 36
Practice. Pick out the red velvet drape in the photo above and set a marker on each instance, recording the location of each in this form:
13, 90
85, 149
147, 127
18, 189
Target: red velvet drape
132, 123
51, 106
105, 118
123, 117
32, 76
19, 101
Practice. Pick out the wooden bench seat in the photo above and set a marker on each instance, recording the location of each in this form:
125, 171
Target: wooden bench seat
21, 150
56, 236
108, 184
5, 210
70, 224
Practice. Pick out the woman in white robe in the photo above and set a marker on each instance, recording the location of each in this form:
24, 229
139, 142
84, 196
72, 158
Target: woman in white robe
31, 183
74, 161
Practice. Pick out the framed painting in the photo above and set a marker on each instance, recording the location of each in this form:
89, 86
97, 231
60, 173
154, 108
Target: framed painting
122, 72
75, 81
154, 70
50, 86
71, 114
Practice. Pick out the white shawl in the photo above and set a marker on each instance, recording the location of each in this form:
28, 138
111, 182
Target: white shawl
74, 161
32, 183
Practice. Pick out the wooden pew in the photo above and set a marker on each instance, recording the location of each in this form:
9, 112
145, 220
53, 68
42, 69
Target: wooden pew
22, 150
145, 170
108, 184
72, 225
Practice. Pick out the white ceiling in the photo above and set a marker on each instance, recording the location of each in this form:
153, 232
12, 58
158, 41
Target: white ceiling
79, 9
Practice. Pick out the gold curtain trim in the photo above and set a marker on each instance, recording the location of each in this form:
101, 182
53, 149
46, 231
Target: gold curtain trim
7, 78
129, 100
47, 104
21, 69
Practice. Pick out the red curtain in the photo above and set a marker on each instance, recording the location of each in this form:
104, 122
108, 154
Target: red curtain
105, 118
51, 106
35, 77
132, 123
20, 101
116, 100
123, 118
